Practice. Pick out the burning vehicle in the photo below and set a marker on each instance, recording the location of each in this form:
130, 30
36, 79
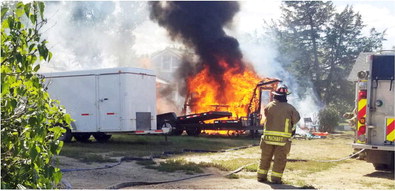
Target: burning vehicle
235, 120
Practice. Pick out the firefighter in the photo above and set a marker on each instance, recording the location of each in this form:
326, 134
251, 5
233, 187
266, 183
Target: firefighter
275, 141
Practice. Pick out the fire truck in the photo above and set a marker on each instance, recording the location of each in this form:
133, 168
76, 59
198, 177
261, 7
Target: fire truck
222, 121
374, 107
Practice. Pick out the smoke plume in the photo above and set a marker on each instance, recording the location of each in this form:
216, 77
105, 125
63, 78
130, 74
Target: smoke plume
92, 34
200, 26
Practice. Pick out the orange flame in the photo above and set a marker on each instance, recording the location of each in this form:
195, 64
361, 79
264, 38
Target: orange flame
232, 94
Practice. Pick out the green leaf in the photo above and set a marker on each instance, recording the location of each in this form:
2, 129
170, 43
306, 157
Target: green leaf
32, 121
36, 68
4, 24
33, 153
31, 47
33, 19
67, 118
19, 5
3, 12
57, 175
20, 12
44, 52
49, 56
38, 149
10, 22
27, 10
13, 103
41, 6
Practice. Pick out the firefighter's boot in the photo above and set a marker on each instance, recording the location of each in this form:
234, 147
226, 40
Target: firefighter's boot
276, 181
262, 179
262, 175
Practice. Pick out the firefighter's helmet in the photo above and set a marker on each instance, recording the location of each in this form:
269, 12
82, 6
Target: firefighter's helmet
282, 90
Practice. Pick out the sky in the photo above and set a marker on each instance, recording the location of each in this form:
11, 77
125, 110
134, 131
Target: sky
147, 37
377, 14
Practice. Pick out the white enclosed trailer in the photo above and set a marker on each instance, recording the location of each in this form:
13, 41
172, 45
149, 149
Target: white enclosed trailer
106, 101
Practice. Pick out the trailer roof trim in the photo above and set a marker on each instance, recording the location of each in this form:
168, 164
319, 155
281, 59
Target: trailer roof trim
104, 71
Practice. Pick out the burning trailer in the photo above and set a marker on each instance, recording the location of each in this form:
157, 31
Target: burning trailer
222, 122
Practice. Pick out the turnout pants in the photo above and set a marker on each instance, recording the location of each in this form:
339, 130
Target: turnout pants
280, 159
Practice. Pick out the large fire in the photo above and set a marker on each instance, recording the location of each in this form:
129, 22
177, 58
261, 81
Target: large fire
232, 94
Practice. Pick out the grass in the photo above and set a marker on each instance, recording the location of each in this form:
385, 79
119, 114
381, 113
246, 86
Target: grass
145, 145
173, 165
233, 164
309, 166
232, 176
89, 158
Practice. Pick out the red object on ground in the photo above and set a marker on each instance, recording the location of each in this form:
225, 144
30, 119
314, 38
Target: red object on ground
320, 133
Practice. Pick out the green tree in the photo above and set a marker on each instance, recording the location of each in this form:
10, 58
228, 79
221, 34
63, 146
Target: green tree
299, 34
320, 46
342, 44
30, 121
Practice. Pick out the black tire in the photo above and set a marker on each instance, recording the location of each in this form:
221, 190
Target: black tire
176, 132
82, 137
380, 166
67, 136
194, 131
101, 137
173, 129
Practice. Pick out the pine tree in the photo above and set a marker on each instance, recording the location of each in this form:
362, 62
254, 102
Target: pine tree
320, 46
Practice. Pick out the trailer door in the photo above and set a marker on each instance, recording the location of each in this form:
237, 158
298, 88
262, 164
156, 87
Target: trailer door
109, 103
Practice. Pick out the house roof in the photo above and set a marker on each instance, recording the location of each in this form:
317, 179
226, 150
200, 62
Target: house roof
175, 52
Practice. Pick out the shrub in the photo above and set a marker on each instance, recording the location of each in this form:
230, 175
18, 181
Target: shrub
328, 119
30, 120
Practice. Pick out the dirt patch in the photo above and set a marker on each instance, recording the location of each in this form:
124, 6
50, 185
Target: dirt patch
105, 178
216, 181
356, 175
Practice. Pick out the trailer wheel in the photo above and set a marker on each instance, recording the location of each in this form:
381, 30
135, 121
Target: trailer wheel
101, 137
82, 137
194, 131
66, 136
173, 129
380, 166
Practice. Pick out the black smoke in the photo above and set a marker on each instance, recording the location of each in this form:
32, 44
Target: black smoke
200, 26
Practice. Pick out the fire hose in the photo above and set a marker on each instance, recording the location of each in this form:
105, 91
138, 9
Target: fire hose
128, 184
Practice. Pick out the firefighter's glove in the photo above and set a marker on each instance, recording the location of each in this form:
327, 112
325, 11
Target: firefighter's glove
293, 132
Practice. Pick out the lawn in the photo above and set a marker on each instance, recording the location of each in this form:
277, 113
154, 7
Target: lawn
121, 145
